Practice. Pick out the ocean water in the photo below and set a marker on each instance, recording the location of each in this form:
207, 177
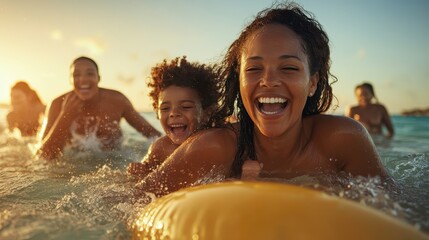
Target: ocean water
89, 195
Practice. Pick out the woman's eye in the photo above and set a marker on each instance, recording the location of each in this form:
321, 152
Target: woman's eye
289, 68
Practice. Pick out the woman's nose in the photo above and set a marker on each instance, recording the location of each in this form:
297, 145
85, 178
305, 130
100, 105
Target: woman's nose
269, 79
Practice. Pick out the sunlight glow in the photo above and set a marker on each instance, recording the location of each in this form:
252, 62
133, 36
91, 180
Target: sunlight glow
94, 45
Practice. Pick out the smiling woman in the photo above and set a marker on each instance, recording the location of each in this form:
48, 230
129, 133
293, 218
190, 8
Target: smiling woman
278, 73
27, 109
90, 112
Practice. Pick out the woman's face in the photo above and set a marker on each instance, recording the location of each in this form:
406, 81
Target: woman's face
85, 79
275, 81
364, 96
180, 112
18, 99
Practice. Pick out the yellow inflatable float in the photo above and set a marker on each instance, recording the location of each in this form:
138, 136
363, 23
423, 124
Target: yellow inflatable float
264, 211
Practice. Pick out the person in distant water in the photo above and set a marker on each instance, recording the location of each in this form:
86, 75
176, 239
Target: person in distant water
89, 111
183, 95
27, 110
372, 115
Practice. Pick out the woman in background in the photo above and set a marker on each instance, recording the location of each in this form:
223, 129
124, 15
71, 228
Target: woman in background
27, 110
372, 115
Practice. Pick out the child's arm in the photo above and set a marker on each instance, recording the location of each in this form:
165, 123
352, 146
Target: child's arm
205, 153
156, 155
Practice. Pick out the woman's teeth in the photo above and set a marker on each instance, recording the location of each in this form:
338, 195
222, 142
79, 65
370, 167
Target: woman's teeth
86, 86
271, 105
271, 100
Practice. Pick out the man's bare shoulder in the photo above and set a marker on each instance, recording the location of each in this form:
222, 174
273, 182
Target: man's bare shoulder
58, 101
111, 94
114, 99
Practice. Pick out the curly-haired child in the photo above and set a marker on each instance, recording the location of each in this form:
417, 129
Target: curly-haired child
184, 95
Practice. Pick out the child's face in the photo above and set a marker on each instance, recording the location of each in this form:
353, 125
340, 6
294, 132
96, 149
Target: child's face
180, 112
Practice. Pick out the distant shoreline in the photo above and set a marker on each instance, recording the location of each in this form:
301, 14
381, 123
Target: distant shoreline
416, 112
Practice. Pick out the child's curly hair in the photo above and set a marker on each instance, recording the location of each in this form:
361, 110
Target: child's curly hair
179, 72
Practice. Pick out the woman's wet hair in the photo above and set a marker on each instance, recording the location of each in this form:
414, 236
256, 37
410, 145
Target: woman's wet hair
23, 86
369, 87
315, 44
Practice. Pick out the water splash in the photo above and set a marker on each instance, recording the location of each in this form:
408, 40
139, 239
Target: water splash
88, 194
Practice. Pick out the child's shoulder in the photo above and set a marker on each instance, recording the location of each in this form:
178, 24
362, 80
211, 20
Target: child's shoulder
161, 148
224, 133
161, 142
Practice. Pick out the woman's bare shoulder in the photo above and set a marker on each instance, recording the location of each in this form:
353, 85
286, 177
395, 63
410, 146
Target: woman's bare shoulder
348, 142
380, 107
11, 116
334, 131
354, 107
335, 134
40, 108
336, 124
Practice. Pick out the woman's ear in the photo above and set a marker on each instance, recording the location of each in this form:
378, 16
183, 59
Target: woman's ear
314, 79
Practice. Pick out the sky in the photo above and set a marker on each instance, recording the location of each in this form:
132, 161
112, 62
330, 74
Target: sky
385, 42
